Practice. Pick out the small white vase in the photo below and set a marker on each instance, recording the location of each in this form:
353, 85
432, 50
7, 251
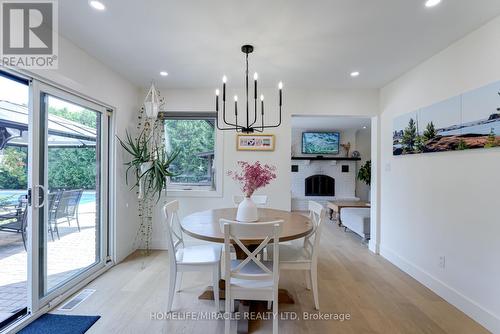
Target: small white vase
247, 211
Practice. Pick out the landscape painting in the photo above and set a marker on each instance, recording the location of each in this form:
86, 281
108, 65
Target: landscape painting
467, 121
320, 142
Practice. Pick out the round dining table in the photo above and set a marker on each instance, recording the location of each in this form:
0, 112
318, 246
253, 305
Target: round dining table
206, 225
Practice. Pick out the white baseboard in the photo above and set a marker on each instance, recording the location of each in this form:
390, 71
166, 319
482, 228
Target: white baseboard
373, 247
484, 317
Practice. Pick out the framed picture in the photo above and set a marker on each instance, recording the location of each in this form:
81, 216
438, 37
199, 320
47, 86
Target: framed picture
255, 142
467, 121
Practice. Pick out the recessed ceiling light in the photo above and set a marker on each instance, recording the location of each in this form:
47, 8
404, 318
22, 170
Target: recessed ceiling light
432, 3
163, 73
364, 127
97, 5
355, 74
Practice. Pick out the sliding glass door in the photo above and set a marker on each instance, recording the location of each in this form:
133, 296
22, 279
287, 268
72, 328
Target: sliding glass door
72, 172
14, 162
53, 193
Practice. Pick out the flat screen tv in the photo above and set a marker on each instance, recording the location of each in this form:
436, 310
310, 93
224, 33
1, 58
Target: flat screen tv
320, 142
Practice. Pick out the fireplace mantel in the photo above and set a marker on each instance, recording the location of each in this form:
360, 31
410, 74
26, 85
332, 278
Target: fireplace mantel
327, 158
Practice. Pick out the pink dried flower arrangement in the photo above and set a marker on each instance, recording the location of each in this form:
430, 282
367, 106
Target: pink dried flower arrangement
253, 176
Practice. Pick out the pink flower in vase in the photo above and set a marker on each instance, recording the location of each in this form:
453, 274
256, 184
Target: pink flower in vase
253, 176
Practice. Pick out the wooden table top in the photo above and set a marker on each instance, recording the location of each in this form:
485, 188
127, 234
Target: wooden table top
205, 225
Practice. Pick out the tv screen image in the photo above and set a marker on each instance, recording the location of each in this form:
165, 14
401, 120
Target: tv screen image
320, 142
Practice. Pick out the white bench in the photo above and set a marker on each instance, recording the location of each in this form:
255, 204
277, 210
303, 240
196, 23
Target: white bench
357, 220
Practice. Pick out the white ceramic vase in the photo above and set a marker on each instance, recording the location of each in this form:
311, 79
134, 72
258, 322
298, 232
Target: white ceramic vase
247, 211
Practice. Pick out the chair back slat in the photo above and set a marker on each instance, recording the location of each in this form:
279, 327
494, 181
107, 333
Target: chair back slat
267, 232
172, 225
317, 215
68, 203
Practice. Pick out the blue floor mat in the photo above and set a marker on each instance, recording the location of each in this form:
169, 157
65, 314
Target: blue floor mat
60, 324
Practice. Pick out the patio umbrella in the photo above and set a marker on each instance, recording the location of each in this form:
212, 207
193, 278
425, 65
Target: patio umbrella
61, 132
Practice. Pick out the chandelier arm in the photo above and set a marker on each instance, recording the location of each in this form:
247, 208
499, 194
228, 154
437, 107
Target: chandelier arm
262, 114
255, 111
273, 126
262, 127
236, 113
219, 128
255, 103
224, 115
246, 92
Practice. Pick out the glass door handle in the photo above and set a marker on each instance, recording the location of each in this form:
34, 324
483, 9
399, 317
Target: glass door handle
42, 189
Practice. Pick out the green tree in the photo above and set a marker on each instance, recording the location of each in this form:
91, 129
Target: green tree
419, 144
462, 145
72, 168
84, 116
14, 168
409, 137
430, 132
195, 141
492, 140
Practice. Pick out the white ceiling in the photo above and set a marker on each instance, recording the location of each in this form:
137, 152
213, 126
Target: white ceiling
304, 43
331, 122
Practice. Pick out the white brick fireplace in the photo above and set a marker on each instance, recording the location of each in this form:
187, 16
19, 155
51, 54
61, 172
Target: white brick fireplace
345, 181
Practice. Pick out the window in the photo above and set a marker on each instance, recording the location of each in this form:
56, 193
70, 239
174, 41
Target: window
194, 136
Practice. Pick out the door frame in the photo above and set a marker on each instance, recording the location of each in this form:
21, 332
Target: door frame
375, 194
37, 307
40, 90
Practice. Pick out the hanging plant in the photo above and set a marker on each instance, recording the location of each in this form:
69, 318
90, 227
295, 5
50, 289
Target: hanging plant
150, 165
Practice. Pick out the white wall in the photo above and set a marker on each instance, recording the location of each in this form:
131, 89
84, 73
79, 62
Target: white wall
295, 102
445, 204
363, 146
84, 74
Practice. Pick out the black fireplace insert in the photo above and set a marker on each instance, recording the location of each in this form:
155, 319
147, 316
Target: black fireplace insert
320, 185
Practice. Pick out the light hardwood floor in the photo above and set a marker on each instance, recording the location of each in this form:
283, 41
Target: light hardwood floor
379, 297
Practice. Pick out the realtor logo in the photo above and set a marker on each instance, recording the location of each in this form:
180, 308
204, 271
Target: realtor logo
28, 34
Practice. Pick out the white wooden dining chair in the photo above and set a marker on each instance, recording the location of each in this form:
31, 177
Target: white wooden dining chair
251, 278
304, 257
259, 200
203, 258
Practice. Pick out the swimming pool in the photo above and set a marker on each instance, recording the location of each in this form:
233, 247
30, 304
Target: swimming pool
10, 197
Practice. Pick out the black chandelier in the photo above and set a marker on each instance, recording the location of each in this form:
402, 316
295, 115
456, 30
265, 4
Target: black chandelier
249, 126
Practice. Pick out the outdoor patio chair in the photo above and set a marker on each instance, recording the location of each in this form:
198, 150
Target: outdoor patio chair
68, 206
20, 223
54, 199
